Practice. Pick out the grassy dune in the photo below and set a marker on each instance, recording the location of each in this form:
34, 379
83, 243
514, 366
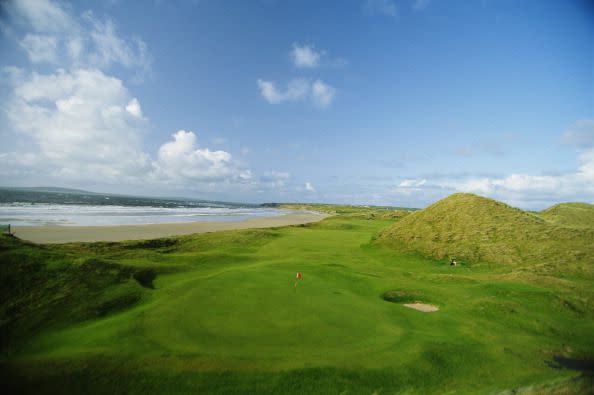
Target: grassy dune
573, 215
219, 313
477, 229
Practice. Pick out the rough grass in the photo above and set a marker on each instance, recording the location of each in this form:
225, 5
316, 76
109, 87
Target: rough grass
224, 317
572, 215
476, 229
44, 288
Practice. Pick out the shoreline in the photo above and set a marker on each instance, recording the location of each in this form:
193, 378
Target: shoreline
75, 234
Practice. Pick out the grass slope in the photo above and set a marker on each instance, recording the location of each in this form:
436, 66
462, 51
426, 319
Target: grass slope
223, 316
573, 215
478, 229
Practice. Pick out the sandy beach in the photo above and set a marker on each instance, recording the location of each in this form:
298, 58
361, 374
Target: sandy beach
69, 234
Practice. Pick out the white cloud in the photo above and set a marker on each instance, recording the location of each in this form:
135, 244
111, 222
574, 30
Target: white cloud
182, 159
381, 7
245, 175
40, 48
110, 48
309, 187
297, 89
54, 35
410, 187
408, 183
269, 92
81, 122
43, 16
320, 93
305, 56
133, 107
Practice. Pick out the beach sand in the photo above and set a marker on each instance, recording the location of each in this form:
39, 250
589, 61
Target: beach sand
69, 234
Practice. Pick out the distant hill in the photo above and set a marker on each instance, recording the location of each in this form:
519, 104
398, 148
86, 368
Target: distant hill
369, 212
576, 215
56, 195
477, 229
48, 189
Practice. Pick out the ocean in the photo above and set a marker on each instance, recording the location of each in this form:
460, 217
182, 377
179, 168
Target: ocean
56, 207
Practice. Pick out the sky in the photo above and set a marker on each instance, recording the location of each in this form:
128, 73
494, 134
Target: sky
380, 102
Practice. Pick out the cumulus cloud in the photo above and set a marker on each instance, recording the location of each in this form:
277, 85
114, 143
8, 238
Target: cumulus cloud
381, 7
305, 56
81, 123
318, 93
309, 187
183, 159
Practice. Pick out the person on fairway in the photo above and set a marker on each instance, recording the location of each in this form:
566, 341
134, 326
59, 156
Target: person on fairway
297, 278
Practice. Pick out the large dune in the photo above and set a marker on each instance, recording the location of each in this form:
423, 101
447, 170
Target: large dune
478, 229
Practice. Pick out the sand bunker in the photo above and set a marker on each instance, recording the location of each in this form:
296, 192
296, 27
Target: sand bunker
424, 307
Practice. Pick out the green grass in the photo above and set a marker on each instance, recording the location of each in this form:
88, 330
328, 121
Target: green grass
223, 316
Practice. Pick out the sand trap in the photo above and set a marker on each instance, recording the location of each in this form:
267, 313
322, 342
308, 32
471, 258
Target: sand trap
68, 234
424, 307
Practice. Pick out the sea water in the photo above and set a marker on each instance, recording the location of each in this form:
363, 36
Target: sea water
67, 209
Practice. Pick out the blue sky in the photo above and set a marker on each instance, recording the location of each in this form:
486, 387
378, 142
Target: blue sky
367, 102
